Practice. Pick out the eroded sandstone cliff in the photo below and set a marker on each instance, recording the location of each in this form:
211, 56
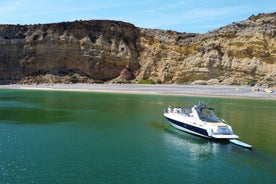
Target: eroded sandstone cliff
112, 51
81, 51
240, 53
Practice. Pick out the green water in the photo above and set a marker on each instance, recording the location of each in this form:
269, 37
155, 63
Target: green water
70, 137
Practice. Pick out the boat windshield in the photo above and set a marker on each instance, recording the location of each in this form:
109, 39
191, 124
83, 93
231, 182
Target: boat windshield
208, 114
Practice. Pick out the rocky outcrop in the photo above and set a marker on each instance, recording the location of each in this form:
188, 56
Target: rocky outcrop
240, 53
112, 51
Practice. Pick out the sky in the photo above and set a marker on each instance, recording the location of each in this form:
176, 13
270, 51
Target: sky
192, 16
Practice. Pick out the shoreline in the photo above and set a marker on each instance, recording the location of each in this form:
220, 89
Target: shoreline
156, 89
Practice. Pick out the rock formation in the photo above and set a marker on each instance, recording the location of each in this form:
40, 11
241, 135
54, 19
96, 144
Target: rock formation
94, 50
112, 51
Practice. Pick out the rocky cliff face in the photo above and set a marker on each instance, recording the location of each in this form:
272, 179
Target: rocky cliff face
68, 52
111, 51
240, 53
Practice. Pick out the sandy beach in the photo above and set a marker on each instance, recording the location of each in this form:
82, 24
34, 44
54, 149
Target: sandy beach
164, 89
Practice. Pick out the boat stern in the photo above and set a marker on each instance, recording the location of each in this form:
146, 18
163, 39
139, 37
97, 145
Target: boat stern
223, 131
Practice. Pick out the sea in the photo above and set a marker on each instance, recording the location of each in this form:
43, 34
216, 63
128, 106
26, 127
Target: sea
87, 137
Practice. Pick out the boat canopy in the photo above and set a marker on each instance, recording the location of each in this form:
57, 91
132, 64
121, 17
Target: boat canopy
207, 114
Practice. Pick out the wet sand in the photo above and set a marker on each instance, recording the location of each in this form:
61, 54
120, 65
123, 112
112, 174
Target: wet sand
164, 89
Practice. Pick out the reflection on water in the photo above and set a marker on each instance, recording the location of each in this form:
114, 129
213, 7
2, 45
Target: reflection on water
196, 147
16, 104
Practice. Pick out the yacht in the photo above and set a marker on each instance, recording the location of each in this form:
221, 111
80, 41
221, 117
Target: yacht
199, 120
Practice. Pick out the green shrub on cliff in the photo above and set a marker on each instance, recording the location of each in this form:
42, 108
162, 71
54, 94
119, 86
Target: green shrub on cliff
147, 81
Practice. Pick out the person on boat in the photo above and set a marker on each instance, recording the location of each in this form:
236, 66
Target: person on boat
169, 110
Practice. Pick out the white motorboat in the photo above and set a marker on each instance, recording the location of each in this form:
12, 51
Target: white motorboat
199, 120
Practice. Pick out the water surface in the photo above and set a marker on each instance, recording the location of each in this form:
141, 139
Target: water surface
79, 137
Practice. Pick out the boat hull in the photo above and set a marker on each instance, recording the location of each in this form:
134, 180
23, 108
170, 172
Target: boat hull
189, 128
186, 127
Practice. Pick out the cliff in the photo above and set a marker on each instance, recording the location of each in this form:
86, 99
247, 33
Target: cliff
113, 51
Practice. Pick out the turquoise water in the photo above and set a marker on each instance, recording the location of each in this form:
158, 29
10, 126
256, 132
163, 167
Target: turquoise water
78, 137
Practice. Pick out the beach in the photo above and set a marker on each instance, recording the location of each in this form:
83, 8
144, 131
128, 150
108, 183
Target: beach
158, 89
